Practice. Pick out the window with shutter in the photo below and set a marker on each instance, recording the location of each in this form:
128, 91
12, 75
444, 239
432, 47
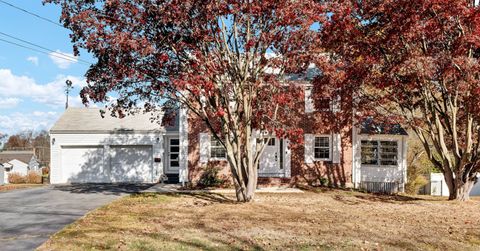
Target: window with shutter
322, 148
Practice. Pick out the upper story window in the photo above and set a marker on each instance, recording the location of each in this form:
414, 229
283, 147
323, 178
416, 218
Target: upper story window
217, 151
322, 148
383, 153
324, 104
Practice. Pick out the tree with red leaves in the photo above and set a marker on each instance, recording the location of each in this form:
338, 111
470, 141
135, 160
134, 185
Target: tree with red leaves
225, 61
414, 63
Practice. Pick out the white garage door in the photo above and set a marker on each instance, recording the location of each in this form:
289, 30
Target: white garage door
83, 164
131, 164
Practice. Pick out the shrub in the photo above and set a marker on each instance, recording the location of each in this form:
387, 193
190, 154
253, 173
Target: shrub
323, 181
46, 171
419, 166
16, 178
210, 177
33, 177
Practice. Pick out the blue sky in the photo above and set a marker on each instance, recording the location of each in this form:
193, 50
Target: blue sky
31, 83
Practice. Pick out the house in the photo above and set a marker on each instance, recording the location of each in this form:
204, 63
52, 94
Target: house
88, 148
19, 162
2, 175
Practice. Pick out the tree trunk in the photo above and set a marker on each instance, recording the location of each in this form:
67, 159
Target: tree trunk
245, 176
458, 188
245, 188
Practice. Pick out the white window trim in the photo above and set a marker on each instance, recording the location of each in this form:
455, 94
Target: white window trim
210, 152
378, 160
330, 147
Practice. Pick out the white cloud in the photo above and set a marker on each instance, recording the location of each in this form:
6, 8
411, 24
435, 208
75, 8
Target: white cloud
52, 93
16, 122
33, 60
62, 60
9, 102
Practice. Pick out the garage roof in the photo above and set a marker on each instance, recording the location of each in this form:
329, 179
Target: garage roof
89, 120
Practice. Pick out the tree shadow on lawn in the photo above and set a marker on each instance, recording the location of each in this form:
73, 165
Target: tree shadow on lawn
207, 196
107, 188
211, 240
346, 195
389, 198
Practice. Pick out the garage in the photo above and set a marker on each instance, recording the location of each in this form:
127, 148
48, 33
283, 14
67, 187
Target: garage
89, 148
131, 164
83, 164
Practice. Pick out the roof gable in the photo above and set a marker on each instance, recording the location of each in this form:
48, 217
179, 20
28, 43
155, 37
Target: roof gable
23, 156
89, 120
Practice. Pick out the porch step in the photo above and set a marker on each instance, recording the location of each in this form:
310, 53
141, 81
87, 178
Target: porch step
172, 178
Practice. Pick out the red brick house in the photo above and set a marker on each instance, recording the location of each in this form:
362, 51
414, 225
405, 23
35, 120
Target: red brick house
86, 148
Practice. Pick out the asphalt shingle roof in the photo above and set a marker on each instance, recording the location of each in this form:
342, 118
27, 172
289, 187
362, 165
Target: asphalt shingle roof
23, 156
89, 120
370, 127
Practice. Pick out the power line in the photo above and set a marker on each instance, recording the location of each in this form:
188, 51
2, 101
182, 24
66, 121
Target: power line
31, 13
44, 48
37, 50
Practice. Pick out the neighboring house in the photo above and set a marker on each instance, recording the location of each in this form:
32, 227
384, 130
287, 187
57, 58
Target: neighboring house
87, 148
438, 187
19, 162
2, 175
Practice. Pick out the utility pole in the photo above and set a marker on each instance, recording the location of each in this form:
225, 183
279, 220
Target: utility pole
68, 87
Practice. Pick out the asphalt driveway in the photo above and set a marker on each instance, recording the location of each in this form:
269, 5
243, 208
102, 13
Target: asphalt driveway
29, 216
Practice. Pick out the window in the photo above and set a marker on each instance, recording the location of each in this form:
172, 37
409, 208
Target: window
217, 151
271, 142
322, 148
383, 153
324, 104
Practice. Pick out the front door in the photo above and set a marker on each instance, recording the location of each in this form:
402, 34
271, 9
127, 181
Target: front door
271, 161
173, 154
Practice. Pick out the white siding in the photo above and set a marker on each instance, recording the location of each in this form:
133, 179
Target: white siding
369, 173
438, 186
19, 167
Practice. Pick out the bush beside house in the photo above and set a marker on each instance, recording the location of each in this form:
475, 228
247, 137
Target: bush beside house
32, 177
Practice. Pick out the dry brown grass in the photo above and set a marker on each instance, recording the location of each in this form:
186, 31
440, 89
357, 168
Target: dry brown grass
309, 221
9, 187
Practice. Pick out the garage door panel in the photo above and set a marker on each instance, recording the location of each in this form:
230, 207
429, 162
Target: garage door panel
131, 164
84, 164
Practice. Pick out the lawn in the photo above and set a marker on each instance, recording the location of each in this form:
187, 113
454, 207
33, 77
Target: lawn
322, 219
9, 187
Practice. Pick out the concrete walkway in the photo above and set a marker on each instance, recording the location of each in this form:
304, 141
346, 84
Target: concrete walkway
29, 216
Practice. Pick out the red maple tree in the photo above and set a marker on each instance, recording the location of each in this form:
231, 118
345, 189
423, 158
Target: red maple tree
415, 63
225, 61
